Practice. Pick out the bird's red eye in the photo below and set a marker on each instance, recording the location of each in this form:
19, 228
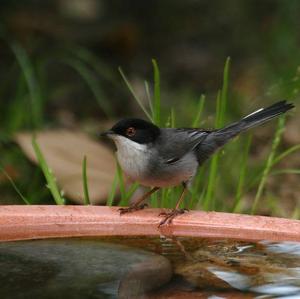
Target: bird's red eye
130, 132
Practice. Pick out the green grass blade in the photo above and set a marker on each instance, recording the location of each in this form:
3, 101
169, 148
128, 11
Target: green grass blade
166, 194
15, 116
15, 186
285, 171
94, 62
157, 102
268, 166
113, 191
212, 178
197, 205
242, 176
50, 178
86, 199
224, 93
155, 199
148, 94
92, 82
286, 153
135, 96
32, 83
222, 98
200, 109
197, 193
171, 119
121, 182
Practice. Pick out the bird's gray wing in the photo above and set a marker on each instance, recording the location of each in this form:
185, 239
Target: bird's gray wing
173, 144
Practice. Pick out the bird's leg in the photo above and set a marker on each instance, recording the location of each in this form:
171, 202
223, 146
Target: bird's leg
169, 216
137, 205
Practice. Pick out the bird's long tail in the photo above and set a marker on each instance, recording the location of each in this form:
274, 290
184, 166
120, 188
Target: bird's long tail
255, 119
219, 137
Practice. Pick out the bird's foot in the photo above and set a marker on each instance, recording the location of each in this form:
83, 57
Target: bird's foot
169, 216
132, 208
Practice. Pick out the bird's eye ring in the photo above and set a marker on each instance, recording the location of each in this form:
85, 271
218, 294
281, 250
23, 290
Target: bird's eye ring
130, 132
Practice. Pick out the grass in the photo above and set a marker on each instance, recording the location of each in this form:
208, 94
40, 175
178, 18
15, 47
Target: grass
26, 201
113, 192
135, 96
242, 176
269, 162
86, 198
284, 154
35, 96
92, 82
199, 112
156, 96
222, 98
49, 176
210, 186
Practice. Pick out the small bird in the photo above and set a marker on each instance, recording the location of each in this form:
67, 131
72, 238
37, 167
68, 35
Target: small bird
166, 157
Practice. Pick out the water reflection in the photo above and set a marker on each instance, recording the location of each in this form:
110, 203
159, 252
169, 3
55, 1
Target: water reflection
260, 270
149, 268
78, 269
292, 248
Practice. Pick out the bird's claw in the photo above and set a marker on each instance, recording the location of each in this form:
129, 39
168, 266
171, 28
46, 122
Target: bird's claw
132, 208
169, 216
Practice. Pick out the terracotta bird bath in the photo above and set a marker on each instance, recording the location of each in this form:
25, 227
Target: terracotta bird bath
40, 222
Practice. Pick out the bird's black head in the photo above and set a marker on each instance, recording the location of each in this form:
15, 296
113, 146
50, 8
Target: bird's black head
136, 129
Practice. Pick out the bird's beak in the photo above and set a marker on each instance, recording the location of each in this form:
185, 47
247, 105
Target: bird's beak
107, 133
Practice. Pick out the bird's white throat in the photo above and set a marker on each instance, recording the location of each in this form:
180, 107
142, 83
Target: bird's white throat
132, 156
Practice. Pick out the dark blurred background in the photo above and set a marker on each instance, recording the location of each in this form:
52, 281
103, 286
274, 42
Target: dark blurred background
189, 39
60, 59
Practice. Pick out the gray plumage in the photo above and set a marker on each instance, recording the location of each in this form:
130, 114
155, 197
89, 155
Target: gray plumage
165, 157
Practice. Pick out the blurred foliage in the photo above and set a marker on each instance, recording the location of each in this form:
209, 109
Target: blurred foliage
60, 59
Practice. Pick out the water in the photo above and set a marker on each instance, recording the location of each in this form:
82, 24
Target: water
135, 267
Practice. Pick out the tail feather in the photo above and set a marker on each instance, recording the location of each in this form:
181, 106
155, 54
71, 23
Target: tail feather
219, 137
263, 115
254, 119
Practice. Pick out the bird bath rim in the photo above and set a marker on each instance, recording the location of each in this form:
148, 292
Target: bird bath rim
20, 222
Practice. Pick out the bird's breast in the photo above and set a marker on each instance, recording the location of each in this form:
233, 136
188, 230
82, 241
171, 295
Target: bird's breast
143, 165
133, 158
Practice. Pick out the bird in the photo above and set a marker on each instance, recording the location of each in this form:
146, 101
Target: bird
166, 157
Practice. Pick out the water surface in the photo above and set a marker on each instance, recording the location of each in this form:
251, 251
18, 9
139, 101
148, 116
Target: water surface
135, 267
